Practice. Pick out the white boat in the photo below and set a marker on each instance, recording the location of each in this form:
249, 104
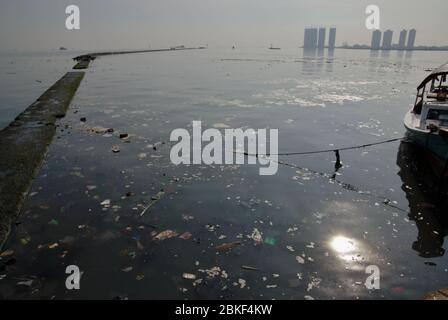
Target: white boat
427, 122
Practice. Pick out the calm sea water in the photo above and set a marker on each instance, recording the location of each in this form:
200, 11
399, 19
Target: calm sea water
309, 232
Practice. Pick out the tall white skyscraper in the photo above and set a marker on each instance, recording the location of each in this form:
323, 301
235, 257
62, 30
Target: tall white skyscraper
332, 38
402, 41
387, 39
310, 38
411, 39
321, 40
376, 40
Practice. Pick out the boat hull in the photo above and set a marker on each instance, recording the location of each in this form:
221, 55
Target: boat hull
431, 141
433, 150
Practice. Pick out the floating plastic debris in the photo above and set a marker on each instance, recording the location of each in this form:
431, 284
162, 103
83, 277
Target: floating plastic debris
165, 235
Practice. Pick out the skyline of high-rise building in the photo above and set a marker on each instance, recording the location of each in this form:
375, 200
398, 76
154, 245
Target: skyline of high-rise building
316, 38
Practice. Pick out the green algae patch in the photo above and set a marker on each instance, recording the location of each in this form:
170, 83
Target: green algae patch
24, 143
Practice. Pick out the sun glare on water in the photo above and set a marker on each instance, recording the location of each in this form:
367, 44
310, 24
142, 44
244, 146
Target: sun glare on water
341, 244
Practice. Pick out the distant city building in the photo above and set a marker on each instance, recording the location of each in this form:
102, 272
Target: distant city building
402, 41
387, 39
411, 39
376, 40
332, 39
321, 40
310, 38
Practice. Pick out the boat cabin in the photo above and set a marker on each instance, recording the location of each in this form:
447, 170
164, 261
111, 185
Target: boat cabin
431, 103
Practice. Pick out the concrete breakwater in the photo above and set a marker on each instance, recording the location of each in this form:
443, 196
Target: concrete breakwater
24, 143
84, 60
107, 53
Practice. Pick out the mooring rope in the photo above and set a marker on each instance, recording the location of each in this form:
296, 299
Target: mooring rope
324, 150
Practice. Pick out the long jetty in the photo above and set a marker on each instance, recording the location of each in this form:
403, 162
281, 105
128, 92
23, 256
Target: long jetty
85, 59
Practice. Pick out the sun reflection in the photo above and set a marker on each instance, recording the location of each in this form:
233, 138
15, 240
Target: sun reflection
342, 244
349, 250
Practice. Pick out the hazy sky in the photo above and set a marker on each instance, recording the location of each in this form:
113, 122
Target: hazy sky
128, 24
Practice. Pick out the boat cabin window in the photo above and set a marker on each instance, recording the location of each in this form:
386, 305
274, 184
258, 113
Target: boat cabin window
439, 116
418, 104
439, 84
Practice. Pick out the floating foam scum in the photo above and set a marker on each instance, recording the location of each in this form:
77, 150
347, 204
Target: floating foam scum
228, 103
303, 93
339, 99
315, 92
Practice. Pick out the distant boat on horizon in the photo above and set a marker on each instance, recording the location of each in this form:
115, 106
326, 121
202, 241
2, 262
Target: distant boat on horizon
273, 48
